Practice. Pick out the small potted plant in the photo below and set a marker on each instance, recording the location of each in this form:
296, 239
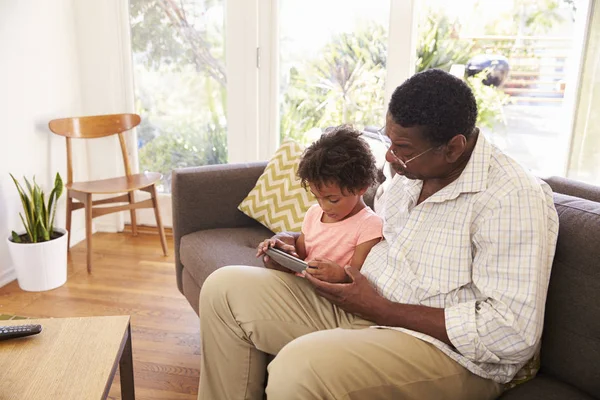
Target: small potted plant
39, 253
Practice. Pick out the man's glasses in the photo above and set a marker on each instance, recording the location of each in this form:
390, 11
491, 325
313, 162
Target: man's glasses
388, 143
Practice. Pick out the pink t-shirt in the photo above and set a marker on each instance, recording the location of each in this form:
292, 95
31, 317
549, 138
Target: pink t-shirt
337, 240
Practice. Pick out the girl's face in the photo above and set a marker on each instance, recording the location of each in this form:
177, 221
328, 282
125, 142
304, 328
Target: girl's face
336, 205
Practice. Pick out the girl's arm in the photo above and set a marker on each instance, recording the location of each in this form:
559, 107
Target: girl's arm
300, 247
361, 252
328, 271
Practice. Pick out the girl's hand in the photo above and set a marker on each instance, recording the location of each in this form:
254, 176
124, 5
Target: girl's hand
276, 243
280, 241
327, 271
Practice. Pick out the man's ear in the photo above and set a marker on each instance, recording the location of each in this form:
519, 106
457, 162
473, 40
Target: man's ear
455, 148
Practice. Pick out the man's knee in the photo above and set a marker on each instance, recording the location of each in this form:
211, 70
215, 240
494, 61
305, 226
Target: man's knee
235, 286
218, 285
302, 370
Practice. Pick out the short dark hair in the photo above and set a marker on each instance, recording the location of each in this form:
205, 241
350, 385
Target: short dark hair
340, 157
439, 102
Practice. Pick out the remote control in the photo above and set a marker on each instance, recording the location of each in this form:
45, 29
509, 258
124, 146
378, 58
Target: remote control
16, 331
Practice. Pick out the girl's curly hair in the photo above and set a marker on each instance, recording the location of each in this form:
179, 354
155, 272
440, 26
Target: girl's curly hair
339, 157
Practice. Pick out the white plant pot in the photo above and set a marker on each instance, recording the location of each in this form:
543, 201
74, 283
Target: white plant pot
40, 266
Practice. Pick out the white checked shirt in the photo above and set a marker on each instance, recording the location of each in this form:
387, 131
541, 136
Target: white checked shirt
482, 249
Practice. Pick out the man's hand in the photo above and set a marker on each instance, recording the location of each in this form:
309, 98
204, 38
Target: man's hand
360, 297
282, 241
357, 297
326, 270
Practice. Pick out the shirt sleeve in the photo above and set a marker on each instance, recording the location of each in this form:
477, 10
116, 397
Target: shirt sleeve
371, 228
511, 269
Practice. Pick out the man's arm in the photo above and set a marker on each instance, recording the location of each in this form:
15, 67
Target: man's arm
510, 268
427, 320
360, 297
514, 241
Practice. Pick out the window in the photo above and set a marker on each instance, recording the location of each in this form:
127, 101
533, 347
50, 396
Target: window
297, 67
180, 84
527, 115
332, 65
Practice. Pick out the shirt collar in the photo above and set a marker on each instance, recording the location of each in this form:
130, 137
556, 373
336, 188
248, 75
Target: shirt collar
473, 179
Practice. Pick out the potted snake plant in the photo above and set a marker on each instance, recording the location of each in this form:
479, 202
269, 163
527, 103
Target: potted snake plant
39, 252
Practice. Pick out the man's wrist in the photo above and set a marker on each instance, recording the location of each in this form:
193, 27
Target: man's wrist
381, 311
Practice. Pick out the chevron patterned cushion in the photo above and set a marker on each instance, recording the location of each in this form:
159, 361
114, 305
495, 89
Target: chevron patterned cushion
278, 201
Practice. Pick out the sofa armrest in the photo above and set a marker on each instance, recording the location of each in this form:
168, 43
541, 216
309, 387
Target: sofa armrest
574, 188
207, 197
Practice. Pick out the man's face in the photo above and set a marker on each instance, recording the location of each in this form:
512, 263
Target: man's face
422, 159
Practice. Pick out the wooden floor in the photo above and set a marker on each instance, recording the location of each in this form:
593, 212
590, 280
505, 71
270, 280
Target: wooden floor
130, 277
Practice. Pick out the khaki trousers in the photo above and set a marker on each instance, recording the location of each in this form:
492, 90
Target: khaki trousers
322, 352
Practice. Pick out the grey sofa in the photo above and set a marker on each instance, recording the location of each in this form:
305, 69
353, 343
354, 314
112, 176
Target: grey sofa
210, 232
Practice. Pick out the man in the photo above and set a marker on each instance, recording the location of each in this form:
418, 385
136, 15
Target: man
449, 305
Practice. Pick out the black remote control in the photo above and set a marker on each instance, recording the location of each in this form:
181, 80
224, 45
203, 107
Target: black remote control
16, 331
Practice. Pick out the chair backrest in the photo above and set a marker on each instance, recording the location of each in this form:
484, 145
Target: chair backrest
91, 127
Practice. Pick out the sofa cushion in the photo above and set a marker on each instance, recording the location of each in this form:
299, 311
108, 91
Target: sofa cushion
278, 200
571, 338
204, 251
544, 387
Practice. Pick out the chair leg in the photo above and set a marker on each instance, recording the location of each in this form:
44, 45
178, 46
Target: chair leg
68, 222
161, 231
133, 217
88, 230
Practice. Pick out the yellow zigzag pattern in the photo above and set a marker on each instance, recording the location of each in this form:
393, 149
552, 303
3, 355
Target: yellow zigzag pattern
278, 200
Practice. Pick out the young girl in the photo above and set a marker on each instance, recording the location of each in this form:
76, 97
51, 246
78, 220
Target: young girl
341, 230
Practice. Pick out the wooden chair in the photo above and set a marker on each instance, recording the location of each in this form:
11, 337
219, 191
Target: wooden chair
97, 127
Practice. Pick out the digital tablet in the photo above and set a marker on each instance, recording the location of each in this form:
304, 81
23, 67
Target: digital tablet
286, 260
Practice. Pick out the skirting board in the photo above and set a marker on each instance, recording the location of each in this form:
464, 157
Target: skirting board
79, 235
10, 274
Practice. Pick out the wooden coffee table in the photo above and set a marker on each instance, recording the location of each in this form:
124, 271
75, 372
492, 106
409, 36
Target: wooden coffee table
72, 358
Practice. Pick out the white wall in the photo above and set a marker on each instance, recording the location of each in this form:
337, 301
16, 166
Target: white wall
59, 58
103, 40
39, 81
